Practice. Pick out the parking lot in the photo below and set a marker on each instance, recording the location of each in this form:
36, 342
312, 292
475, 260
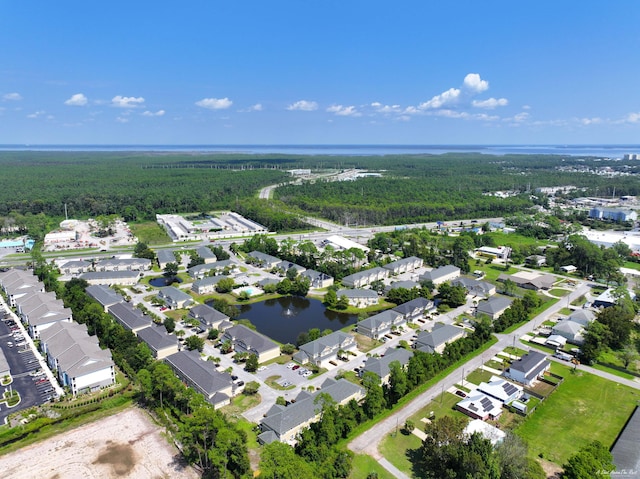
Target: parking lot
28, 379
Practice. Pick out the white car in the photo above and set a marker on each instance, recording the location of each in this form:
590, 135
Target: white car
307, 374
290, 365
262, 368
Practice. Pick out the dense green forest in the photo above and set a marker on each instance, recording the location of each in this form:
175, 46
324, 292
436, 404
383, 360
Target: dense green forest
424, 188
413, 188
136, 185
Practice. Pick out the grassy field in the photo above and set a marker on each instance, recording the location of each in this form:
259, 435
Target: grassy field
558, 293
492, 271
478, 376
363, 465
395, 448
150, 233
584, 408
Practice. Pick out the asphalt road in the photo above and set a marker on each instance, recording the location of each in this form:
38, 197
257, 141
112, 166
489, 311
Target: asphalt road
367, 443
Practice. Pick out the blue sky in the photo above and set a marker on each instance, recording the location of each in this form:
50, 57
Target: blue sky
319, 72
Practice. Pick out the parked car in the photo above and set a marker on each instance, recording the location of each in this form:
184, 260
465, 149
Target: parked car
296, 366
291, 365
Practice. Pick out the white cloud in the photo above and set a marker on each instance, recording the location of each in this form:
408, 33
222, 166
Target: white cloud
632, 118
256, 107
474, 83
126, 101
526, 107
303, 105
122, 119
490, 103
446, 98
590, 121
36, 114
380, 108
77, 100
215, 103
344, 110
157, 113
12, 97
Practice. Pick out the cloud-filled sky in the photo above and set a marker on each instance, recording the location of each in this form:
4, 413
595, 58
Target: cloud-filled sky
330, 72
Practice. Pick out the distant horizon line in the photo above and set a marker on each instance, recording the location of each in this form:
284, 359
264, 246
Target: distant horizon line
422, 145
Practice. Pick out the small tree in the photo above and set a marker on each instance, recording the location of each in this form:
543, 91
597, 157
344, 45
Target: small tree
287, 348
343, 302
225, 285
226, 347
331, 298
171, 270
251, 388
169, 324
213, 334
281, 401
194, 342
252, 363
409, 426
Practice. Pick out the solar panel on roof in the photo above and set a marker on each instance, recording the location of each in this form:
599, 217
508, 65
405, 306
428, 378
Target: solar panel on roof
472, 407
510, 388
486, 403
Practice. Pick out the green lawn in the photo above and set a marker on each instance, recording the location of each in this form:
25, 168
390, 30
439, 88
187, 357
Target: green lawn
478, 376
558, 293
584, 408
363, 465
631, 265
394, 448
150, 233
492, 271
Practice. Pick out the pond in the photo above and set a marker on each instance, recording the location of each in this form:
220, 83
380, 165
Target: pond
163, 281
283, 319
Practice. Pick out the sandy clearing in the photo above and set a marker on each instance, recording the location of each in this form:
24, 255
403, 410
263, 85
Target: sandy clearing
127, 444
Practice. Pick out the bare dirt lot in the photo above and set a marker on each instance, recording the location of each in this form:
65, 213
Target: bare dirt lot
127, 444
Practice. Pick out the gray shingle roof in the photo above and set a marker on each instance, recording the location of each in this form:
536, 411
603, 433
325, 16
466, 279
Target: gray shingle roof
440, 272
128, 316
494, 305
529, 363
380, 366
104, 295
202, 374
440, 334
626, 452
249, 339
157, 338
207, 315
410, 306
357, 293
306, 409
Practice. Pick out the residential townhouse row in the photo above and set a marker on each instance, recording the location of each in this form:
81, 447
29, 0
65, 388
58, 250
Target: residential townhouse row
75, 357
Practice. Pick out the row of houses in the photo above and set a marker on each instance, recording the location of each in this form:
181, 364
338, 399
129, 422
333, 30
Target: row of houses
166, 256
284, 423
202, 375
387, 321
75, 357
366, 277
77, 267
487, 401
269, 262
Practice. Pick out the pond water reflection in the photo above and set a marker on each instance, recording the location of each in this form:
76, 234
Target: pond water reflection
283, 319
163, 281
